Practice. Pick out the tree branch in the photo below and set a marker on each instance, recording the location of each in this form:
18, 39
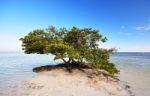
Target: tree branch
64, 60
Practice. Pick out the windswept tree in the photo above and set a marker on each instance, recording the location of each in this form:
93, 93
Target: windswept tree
75, 45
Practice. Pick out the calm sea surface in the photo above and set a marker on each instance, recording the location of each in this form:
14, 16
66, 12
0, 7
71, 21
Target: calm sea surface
15, 67
135, 70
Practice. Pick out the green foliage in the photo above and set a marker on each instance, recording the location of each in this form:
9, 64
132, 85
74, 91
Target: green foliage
34, 42
76, 44
99, 59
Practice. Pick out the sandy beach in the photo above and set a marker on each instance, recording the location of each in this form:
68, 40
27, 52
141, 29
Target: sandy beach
61, 83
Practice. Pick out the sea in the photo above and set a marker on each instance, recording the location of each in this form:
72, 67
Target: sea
16, 67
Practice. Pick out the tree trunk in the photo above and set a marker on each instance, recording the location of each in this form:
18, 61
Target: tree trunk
69, 65
69, 60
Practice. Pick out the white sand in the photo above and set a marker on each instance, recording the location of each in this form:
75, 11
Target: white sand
60, 83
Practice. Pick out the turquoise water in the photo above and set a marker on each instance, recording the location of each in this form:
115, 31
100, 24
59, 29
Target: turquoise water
15, 67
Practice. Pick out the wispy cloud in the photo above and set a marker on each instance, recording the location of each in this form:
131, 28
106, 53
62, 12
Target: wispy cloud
143, 28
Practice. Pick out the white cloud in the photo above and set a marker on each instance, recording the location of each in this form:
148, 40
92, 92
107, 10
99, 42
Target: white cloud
143, 28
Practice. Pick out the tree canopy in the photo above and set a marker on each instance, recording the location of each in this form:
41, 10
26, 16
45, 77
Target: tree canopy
75, 45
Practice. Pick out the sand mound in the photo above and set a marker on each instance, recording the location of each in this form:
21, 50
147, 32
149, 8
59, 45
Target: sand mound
61, 83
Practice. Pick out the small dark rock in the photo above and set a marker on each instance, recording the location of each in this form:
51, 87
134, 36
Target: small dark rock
127, 86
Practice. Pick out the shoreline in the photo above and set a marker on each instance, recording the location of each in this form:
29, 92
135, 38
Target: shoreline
61, 83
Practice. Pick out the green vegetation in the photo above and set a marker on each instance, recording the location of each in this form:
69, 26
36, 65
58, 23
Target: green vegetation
75, 45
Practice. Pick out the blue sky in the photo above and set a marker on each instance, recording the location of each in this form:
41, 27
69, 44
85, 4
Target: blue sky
126, 23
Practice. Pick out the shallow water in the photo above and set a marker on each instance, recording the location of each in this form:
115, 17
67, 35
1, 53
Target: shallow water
15, 67
135, 70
